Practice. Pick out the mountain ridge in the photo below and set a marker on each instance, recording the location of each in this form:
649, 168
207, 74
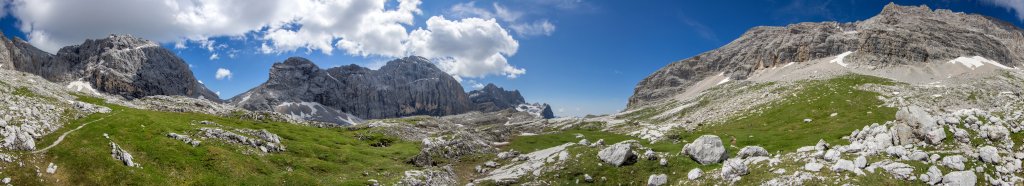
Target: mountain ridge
122, 65
896, 36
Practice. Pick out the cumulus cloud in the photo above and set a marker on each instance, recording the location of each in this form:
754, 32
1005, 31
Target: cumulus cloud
465, 47
222, 74
1016, 5
361, 27
51, 24
470, 47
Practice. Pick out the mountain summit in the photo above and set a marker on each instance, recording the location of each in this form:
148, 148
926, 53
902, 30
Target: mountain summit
404, 87
898, 35
122, 65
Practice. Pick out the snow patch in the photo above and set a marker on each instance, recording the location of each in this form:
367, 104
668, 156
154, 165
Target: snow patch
976, 61
839, 58
299, 107
726, 80
788, 64
81, 86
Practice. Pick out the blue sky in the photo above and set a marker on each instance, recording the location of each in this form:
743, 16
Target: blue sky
582, 57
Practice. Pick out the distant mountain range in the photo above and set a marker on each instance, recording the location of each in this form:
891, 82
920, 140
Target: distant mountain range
133, 68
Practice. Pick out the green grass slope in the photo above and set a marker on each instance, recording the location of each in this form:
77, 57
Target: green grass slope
777, 126
314, 156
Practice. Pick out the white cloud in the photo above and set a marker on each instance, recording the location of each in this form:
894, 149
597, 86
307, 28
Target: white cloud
475, 84
466, 47
538, 28
470, 47
361, 27
223, 73
504, 14
1016, 5
51, 24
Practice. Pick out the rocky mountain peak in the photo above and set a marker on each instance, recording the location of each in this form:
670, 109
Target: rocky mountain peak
897, 36
416, 64
122, 65
294, 64
403, 87
114, 42
493, 98
894, 9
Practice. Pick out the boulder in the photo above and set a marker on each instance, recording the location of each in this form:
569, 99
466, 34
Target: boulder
822, 145
734, 168
860, 162
831, 155
650, 155
707, 149
657, 180
899, 170
995, 133
508, 155
599, 142
897, 151
491, 164
618, 154
846, 165
694, 174
934, 175
752, 151
924, 126
122, 155
903, 134
960, 178
989, 154
918, 156
813, 166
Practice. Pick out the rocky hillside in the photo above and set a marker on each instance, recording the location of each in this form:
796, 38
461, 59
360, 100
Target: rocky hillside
898, 35
119, 64
403, 87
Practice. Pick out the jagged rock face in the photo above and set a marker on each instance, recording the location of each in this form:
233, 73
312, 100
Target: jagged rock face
493, 98
899, 35
119, 64
537, 110
404, 87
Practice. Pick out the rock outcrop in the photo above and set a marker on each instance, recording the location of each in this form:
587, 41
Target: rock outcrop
707, 149
121, 65
404, 87
899, 35
493, 98
619, 154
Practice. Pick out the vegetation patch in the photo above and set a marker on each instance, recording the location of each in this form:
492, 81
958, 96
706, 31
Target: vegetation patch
314, 156
780, 126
